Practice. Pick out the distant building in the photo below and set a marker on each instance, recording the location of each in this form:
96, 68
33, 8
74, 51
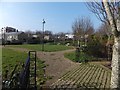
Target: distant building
8, 30
69, 36
46, 37
12, 36
35, 36
9, 34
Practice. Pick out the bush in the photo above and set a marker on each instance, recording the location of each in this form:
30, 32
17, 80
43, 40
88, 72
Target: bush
96, 49
82, 57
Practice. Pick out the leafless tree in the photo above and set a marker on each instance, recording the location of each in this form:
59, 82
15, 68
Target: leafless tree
108, 11
82, 27
61, 37
104, 29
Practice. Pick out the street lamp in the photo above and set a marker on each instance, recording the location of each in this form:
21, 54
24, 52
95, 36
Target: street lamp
43, 35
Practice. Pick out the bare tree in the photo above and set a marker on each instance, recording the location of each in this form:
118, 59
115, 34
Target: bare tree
104, 29
61, 37
82, 27
106, 38
109, 12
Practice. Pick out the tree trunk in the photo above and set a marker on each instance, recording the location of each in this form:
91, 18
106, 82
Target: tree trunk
115, 77
115, 26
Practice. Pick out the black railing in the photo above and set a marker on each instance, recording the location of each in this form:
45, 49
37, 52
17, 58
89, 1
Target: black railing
20, 79
24, 75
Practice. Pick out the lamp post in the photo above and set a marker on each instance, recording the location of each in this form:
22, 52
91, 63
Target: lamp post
43, 35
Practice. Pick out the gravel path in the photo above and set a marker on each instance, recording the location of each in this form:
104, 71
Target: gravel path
56, 63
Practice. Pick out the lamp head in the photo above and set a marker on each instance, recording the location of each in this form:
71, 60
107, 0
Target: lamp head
43, 21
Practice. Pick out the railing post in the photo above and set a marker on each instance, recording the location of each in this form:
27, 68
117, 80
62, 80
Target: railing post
77, 56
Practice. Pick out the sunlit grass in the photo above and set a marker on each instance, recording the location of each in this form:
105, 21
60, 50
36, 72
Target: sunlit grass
82, 57
47, 48
10, 58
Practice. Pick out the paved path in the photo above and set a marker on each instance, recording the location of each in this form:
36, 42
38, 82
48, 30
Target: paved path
85, 75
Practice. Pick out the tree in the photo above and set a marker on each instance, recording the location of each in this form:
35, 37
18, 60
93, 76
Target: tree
109, 12
40, 35
61, 37
106, 39
82, 27
104, 31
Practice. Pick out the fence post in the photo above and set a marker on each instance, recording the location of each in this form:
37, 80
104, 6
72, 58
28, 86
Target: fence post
77, 54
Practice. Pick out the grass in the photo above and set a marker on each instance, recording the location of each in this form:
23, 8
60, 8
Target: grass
47, 47
83, 57
10, 58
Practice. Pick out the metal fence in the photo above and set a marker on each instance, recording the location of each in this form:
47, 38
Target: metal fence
21, 80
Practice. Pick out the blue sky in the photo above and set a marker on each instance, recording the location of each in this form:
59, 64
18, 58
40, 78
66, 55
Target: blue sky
59, 16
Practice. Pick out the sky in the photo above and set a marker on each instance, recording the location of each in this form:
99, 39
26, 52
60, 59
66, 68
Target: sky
59, 16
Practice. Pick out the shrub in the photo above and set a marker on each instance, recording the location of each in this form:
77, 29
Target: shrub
96, 49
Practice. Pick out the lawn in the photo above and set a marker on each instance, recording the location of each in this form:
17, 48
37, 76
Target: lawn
82, 58
11, 58
47, 47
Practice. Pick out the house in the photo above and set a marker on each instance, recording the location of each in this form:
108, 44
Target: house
35, 36
9, 35
46, 37
69, 36
12, 36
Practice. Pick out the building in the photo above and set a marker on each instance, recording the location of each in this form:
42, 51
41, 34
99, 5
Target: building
69, 36
46, 37
9, 34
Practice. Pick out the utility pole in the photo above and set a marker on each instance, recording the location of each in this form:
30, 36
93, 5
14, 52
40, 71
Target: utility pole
43, 35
